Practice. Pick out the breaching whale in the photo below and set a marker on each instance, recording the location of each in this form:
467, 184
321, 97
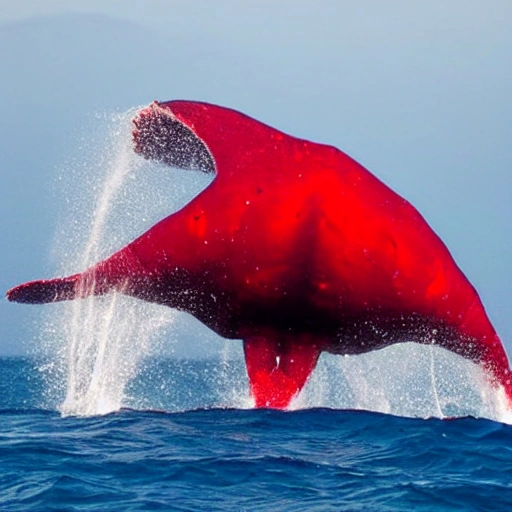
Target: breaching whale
294, 248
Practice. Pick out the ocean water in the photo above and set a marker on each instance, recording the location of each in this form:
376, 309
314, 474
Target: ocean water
226, 458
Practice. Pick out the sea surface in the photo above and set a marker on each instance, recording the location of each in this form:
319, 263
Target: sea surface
240, 459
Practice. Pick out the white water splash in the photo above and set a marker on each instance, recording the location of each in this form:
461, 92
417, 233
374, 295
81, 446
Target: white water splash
97, 344
106, 337
405, 380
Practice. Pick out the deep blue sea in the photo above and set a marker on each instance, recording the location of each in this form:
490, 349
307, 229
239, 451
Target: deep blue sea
218, 458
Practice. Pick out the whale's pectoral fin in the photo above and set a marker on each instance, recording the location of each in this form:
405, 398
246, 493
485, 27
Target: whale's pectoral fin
44, 290
278, 371
121, 272
209, 138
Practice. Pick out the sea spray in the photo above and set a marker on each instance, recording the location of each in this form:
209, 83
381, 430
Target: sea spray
106, 337
112, 196
406, 379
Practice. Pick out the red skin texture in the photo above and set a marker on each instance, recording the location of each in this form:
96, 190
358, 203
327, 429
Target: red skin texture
294, 248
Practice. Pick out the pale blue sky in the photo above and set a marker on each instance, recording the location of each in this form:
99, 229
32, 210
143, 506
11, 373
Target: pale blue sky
418, 92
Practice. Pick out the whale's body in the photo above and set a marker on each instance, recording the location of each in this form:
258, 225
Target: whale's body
294, 248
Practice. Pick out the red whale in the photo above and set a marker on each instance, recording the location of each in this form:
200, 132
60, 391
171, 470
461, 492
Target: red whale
294, 248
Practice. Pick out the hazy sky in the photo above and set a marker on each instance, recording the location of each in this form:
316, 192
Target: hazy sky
418, 92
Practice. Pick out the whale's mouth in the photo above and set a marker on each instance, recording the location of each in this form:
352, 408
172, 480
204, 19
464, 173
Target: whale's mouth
158, 135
